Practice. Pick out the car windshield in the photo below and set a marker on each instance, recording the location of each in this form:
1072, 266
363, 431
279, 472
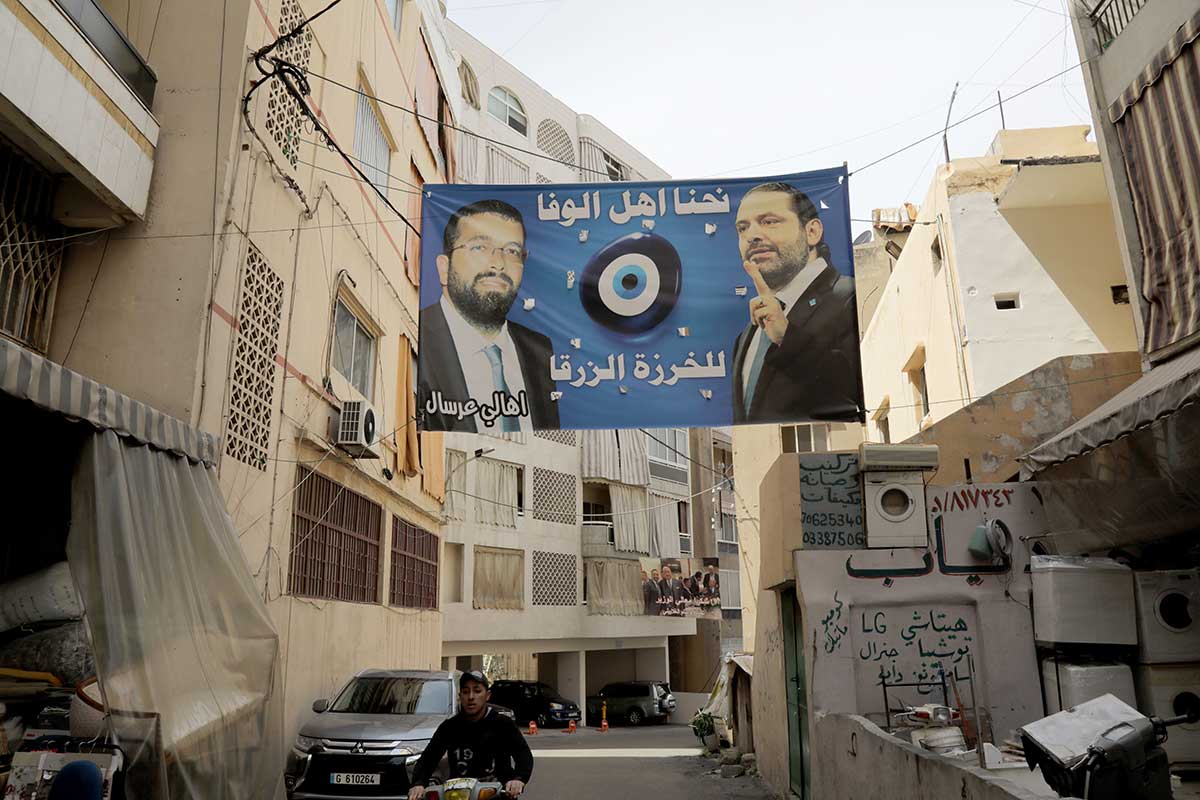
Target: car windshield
394, 696
660, 690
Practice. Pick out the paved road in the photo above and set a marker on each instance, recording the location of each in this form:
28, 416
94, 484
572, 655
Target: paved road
658, 761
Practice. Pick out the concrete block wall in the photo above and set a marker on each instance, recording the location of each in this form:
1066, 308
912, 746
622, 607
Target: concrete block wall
852, 758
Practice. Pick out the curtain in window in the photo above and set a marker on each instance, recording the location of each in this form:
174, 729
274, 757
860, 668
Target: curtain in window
664, 516
408, 452
433, 472
614, 587
635, 468
601, 458
1156, 122
499, 578
631, 520
495, 493
455, 504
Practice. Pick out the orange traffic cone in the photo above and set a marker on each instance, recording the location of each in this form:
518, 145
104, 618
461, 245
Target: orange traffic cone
532, 728
571, 726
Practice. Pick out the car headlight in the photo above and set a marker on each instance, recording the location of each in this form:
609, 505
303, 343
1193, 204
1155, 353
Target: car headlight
556, 706
306, 743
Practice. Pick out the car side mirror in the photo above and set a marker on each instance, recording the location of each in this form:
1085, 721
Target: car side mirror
321, 706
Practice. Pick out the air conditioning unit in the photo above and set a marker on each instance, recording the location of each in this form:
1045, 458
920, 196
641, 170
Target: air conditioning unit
897, 457
357, 433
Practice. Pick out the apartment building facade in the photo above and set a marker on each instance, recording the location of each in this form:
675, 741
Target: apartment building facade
246, 279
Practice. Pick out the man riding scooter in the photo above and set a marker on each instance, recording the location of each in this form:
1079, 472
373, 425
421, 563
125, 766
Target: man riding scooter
480, 743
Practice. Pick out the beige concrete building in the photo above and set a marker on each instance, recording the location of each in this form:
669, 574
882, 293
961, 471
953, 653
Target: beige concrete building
244, 279
550, 511
1012, 261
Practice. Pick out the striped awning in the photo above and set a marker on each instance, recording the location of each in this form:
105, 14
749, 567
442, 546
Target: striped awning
1158, 124
28, 376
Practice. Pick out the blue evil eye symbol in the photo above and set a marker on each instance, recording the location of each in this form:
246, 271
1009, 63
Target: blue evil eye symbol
632, 284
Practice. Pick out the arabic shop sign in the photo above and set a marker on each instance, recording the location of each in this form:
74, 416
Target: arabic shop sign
619, 305
910, 644
831, 510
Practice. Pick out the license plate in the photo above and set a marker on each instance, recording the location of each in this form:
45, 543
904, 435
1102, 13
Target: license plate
354, 779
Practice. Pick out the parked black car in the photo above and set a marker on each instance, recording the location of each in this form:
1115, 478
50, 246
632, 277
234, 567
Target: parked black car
535, 701
633, 702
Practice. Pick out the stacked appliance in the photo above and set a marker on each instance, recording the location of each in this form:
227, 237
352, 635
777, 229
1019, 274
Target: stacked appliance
1085, 626
1167, 674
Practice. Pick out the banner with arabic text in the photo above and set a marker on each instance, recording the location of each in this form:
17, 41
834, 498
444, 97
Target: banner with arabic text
621, 305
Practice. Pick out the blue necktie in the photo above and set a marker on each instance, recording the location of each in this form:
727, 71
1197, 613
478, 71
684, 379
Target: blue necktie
492, 351
756, 366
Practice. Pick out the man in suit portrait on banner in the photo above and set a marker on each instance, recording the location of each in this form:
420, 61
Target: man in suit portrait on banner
469, 349
798, 358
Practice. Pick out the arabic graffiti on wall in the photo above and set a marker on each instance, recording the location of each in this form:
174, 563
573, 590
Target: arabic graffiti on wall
831, 502
910, 644
834, 625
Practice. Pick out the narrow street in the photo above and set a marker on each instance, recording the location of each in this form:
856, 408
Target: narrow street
663, 761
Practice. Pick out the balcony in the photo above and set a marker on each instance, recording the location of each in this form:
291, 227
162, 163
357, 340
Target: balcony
1110, 17
75, 97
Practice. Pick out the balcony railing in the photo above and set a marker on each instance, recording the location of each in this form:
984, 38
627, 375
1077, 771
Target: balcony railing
106, 37
1110, 17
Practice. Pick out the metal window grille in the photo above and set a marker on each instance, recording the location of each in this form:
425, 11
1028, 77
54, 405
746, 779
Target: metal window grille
467, 162
470, 84
542, 179
503, 168
371, 145
595, 163
252, 384
554, 496
414, 582
553, 140
285, 120
561, 437
1111, 17
555, 577
685, 544
29, 265
336, 539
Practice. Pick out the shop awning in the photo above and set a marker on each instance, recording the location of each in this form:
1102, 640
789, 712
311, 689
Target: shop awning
28, 376
1157, 394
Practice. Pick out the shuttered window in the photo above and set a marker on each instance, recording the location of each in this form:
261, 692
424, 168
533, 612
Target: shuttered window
371, 145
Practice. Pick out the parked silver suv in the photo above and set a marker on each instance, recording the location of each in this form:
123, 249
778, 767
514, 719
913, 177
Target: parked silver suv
362, 743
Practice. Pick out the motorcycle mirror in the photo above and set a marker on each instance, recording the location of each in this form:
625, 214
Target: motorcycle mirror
320, 706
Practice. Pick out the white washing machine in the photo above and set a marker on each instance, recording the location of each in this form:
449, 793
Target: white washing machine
1077, 683
1168, 604
1169, 690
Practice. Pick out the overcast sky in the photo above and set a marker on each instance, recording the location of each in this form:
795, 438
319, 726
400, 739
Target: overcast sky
754, 87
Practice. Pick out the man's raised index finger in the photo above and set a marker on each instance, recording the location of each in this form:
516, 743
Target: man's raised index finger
760, 284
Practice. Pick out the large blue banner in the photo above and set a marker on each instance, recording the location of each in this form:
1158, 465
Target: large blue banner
623, 305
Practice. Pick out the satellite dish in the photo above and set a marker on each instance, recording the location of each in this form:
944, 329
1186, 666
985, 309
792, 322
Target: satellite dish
864, 237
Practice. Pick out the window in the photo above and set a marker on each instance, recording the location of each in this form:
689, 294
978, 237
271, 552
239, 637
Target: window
503, 168
470, 84
504, 106
885, 429
805, 438
499, 578
371, 146
1120, 295
920, 389
669, 445
616, 170
731, 589
353, 350
728, 531
520, 491
1008, 301
600, 514
414, 582
935, 254
497, 495
29, 264
336, 541
455, 504
685, 536
395, 696
394, 8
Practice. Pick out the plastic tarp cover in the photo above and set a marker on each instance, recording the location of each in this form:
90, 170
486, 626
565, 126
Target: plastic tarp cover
187, 656
720, 701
